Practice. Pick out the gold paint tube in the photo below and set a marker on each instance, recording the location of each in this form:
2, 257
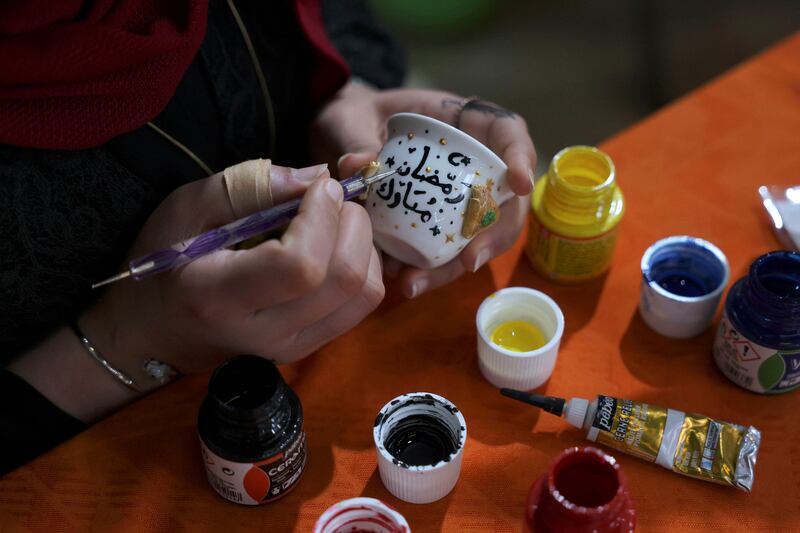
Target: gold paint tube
688, 443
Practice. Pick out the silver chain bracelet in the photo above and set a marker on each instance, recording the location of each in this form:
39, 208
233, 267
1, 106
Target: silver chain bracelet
162, 373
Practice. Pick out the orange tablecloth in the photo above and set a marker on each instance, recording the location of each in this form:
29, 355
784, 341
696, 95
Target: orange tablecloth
692, 168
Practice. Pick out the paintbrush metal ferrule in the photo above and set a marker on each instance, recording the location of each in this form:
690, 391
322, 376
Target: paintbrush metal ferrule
360, 184
112, 279
378, 177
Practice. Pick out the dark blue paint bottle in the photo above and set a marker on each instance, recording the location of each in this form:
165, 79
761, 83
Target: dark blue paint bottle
758, 341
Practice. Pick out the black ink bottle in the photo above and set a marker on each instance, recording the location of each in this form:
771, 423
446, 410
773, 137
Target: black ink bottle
251, 432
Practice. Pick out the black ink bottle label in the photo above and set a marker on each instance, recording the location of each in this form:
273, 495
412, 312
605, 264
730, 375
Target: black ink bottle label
256, 483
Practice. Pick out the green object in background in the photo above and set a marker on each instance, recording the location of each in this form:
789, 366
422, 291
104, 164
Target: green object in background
433, 18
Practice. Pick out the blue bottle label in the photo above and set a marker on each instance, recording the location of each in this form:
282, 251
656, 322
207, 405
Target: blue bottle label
755, 367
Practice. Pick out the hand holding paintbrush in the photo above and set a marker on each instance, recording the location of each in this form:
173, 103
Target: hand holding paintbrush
246, 227
281, 299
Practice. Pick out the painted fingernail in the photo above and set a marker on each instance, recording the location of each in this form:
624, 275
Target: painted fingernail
418, 287
309, 174
334, 190
481, 258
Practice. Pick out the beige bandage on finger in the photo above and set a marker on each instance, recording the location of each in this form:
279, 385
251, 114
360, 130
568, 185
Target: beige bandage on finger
248, 186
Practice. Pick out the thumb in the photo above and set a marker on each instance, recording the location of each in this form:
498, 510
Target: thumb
358, 146
287, 182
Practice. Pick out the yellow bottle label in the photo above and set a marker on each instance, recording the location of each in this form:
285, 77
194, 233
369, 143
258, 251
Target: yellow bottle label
569, 259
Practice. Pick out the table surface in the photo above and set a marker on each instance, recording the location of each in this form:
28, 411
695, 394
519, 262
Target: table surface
692, 168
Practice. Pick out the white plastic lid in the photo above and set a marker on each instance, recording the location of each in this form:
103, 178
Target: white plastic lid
518, 370
576, 411
426, 483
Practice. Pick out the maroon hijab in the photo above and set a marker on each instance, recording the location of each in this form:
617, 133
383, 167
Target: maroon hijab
76, 73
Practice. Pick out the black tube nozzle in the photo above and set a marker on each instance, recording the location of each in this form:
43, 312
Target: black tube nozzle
551, 404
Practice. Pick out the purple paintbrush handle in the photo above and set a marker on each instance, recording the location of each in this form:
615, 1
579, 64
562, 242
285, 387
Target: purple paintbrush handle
240, 230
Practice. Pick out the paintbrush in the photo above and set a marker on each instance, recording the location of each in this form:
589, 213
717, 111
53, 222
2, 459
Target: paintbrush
228, 235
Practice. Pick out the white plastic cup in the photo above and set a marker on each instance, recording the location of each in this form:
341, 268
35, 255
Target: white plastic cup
518, 370
427, 483
689, 310
361, 514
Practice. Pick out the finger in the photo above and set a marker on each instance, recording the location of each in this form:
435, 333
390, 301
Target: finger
358, 124
357, 131
344, 319
275, 271
485, 246
349, 164
498, 238
347, 274
507, 136
503, 131
208, 198
362, 138
436, 104
415, 281
392, 267
287, 183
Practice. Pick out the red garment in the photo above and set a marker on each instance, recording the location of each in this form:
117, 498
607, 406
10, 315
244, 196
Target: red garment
330, 70
75, 73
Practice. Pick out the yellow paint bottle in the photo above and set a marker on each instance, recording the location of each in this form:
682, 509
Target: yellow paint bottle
577, 207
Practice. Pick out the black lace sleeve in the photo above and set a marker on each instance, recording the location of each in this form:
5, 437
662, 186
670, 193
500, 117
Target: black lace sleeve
66, 220
372, 53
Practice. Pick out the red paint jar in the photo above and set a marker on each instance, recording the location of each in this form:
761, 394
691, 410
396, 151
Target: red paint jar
584, 491
361, 515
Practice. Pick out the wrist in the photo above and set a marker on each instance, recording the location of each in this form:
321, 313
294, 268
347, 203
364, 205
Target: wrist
64, 371
123, 351
61, 370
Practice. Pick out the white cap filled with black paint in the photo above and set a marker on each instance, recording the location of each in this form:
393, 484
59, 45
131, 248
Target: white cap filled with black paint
420, 440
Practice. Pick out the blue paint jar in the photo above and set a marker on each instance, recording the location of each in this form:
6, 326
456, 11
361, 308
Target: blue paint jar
683, 279
758, 340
